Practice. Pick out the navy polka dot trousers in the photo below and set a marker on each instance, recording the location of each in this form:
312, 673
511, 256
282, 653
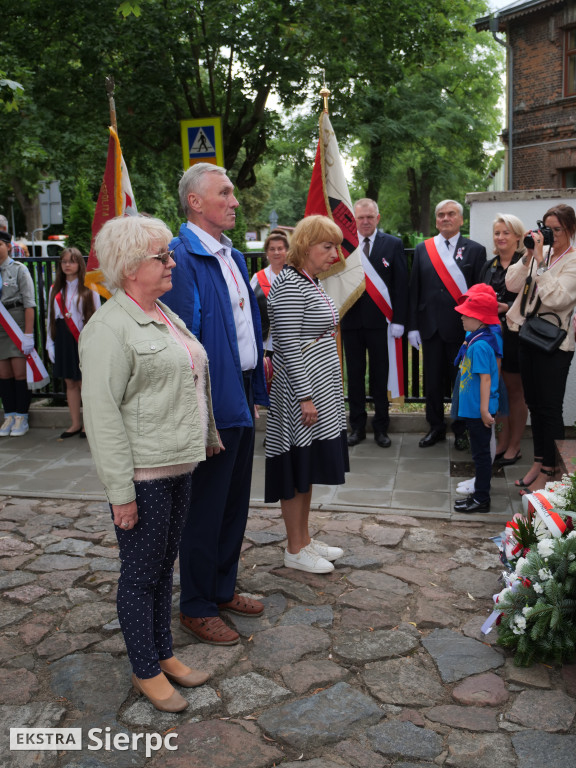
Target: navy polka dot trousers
147, 555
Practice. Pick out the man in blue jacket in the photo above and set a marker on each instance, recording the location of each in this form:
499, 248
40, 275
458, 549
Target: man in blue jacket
211, 293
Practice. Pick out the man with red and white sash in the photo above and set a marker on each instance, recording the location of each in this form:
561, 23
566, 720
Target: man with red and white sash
375, 324
444, 267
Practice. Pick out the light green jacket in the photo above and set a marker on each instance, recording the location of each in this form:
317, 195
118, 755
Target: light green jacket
139, 396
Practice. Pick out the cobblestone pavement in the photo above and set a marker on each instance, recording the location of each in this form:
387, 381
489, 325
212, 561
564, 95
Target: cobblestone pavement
379, 663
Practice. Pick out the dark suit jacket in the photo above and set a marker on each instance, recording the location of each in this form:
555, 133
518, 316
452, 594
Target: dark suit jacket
364, 313
431, 305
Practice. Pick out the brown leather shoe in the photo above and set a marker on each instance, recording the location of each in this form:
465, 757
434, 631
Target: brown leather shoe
243, 606
174, 703
209, 629
192, 679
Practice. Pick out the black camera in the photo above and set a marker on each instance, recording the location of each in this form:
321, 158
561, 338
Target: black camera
547, 234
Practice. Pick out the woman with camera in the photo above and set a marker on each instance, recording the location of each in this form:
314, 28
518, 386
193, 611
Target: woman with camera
507, 232
545, 281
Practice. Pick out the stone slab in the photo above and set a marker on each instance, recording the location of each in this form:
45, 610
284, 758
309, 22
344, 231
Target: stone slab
398, 739
536, 749
359, 647
244, 694
550, 711
278, 646
486, 690
457, 656
406, 682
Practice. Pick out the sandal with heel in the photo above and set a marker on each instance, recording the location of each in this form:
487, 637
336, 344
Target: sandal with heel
520, 483
551, 473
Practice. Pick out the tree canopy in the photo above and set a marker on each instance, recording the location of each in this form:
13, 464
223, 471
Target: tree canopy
255, 64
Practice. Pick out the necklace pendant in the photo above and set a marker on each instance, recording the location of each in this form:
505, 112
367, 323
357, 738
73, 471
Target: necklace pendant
68, 315
241, 302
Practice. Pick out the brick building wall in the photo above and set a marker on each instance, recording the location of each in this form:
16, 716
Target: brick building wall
544, 123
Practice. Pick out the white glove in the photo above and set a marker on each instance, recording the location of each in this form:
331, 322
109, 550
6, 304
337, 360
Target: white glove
396, 330
50, 351
27, 343
414, 339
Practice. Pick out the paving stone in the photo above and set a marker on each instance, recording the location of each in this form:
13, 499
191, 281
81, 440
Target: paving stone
278, 646
550, 711
457, 657
247, 693
15, 563
61, 579
202, 702
405, 681
104, 564
266, 584
432, 614
479, 559
10, 546
471, 628
469, 718
323, 718
366, 557
381, 582
568, 674
358, 756
28, 593
219, 744
69, 547
304, 675
486, 690
62, 644
52, 603
88, 616
11, 614
418, 576
113, 644
78, 595
536, 749
264, 537
353, 619
16, 579
209, 658
112, 553
49, 563
536, 676
320, 615
373, 600
274, 607
38, 627
15, 512
25, 661
397, 739
319, 762
98, 522
262, 558
412, 716
383, 535
360, 647
40, 714
480, 750
477, 583
10, 647
423, 540
17, 686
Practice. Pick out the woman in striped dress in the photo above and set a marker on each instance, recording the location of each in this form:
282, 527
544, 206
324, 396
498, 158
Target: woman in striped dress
306, 429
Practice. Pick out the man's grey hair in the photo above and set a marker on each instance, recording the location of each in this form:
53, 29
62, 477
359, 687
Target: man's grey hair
364, 202
193, 181
3, 223
445, 202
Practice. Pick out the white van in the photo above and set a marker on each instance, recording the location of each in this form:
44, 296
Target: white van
45, 248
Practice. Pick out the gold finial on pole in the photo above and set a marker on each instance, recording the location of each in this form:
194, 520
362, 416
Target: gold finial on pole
324, 92
110, 92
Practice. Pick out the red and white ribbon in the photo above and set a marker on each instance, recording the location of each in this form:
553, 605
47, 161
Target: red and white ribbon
36, 374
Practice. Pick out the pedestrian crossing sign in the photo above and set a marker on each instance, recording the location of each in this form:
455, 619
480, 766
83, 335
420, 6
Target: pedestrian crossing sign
202, 141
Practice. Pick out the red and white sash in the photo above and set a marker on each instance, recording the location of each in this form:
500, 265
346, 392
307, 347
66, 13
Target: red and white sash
263, 282
36, 374
378, 291
72, 327
442, 270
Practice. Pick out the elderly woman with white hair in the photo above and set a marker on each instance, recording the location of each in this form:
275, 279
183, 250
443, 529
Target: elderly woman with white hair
148, 418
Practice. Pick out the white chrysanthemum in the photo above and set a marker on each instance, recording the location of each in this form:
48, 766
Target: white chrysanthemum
520, 621
520, 563
517, 630
545, 574
571, 535
571, 556
504, 594
527, 610
545, 547
537, 588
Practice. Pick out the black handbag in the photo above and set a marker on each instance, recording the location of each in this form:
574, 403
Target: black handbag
537, 332
542, 334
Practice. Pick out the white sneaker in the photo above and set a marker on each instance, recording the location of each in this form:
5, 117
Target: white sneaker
20, 426
328, 553
7, 425
466, 487
307, 560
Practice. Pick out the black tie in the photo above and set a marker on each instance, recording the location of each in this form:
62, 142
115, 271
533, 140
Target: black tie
367, 246
447, 244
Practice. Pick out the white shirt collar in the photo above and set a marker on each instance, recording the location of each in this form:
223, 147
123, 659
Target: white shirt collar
210, 243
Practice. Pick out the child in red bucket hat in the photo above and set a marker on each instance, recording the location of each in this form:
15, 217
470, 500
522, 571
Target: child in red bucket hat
478, 387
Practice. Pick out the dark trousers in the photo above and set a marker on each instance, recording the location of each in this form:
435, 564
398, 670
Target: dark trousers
480, 446
214, 530
544, 381
439, 372
147, 555
358, 341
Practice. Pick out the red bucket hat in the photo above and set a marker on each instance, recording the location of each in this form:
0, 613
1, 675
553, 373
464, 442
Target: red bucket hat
480, 302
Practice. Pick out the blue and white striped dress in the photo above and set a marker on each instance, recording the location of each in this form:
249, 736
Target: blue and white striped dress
302, 318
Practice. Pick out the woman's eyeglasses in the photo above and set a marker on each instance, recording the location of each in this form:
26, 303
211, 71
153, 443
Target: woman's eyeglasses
164, 257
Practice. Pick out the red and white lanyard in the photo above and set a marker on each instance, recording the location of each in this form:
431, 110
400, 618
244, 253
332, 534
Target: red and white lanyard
240, 297
176, 334
324, 297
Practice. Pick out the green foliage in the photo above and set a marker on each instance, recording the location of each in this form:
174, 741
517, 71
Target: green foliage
238, 234
78, 223
539, 616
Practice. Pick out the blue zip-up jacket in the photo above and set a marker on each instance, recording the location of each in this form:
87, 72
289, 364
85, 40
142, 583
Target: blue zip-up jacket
200, 297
